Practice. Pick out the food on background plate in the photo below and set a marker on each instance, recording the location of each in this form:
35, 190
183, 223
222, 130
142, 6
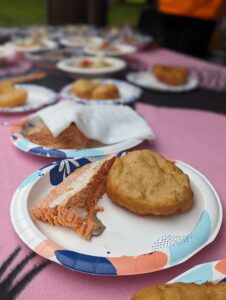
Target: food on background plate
108, 46
145, 183
11, 96
182, 291
70, 138
93, 64
31, 43
73, 202
142, 181
170, 75
91, 89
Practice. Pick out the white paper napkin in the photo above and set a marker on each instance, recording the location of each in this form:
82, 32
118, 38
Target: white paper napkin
105, 123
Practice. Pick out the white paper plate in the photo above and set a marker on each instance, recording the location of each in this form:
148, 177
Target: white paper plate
130, 244
128, 93
147, 80
48, 44
120, 51
81, 41
116, 66
38, 96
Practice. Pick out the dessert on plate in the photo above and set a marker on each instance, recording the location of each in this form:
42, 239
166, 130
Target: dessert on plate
70, 138
93, 64
145, 183
142, 181
170, 75
92, 89
73, 203
11, 96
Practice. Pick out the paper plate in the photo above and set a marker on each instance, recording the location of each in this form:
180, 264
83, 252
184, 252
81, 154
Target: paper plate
81, 41
120, 50
38, 96
19, 139
128, 92
47, 45
66, 65
130, 244
209, 272
147, 80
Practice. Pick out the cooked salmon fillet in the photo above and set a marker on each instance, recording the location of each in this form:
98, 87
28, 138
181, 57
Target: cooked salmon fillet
73, 202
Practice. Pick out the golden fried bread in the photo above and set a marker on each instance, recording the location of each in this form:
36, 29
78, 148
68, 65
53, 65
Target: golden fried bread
91, 89
70, 138
146, 183
83, 88
171, 75
11, 96
105, 91
182, 291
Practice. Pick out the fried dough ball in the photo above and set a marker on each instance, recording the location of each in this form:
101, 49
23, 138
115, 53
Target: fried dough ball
182, 291
171, 75
145, 183
90, 89
105, 91
83, 88
70, 138
11, 96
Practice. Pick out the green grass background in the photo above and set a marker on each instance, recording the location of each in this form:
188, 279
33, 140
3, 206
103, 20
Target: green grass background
14, 13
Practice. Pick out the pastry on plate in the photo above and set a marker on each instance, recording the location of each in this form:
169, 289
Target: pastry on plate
72, 203
170, 75
182, 291
70, 138
94, 64
145, 183
92, 89
11, 96
105, 91
83, 88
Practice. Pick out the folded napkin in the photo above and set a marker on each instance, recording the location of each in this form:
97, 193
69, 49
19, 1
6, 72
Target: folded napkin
105, 123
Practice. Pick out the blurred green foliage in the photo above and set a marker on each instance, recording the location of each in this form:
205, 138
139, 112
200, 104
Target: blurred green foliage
14, 13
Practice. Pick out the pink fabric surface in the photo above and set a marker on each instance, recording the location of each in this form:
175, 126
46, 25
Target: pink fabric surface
165, 56
195, 137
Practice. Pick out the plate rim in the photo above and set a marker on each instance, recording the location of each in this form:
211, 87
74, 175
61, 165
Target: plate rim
97, 259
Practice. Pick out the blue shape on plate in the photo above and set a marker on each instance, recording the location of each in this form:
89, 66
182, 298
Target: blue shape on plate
193, 241
23, 144
223, 280
47, 152
31, 179
200, 275
85, 263
64, 168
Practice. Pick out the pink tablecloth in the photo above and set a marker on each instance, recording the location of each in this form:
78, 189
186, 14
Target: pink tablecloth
195, 137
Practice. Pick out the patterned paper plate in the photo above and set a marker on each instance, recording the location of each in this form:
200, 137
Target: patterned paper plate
147, 80
128, 92
38, 96
209, 272
127, 246
20, 140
